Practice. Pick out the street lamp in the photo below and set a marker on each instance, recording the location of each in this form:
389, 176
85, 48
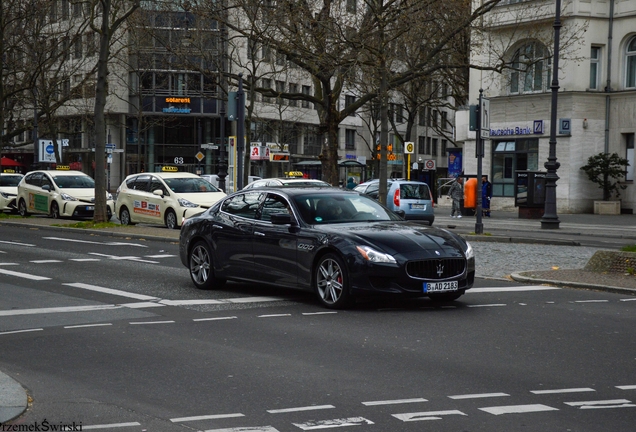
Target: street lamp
550, 220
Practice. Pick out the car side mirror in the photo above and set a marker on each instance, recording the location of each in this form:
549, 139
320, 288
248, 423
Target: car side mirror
47, 188
281, 219
158, 192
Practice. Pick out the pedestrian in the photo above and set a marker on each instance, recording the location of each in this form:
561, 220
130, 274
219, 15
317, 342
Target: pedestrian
486, 195
351, 183
456, 193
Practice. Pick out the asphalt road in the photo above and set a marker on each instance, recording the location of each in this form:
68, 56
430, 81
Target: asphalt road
129, 344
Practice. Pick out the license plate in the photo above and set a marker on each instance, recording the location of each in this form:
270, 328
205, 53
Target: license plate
90, 207
418, 206
441, 286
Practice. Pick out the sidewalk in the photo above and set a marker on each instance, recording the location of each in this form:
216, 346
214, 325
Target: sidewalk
501, 227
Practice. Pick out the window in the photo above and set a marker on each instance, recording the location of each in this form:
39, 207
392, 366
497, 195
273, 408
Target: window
444, 120
434, 149
252, 50
77, 9
350, 139
351, 6
630, 74
267, 54
266, 83
595, 67
629, 144
530, 71
435, 118
244, 205
428, 146
91, 44
508, 157
399, 113
421, 117
77, 48
306, 91
293, 88
350, 100
444, 146
280, 88
65, 9
421, 145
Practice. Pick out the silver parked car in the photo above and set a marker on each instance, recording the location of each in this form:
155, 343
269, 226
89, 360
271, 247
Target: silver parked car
412, 197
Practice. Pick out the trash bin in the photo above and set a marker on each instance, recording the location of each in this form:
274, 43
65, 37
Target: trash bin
469, 203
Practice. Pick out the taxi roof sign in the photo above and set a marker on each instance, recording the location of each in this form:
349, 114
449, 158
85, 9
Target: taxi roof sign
63, 167
294, 174
169, 169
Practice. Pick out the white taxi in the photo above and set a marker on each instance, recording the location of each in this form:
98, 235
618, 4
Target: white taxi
164, 198
9, 190
59, 193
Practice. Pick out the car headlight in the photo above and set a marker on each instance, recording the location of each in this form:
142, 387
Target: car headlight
4, 195
185, 203
470, 253
67, 197
370, 254
109, 196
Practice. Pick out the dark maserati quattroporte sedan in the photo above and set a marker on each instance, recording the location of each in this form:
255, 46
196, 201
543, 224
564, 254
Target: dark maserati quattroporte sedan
336, 243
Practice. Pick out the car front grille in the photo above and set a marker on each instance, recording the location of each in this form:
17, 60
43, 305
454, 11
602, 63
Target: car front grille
440, 268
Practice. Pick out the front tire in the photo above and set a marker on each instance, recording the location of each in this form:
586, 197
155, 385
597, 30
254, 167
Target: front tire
201, 267
124, 216
171, 220
331, 282
22, 208
55, 210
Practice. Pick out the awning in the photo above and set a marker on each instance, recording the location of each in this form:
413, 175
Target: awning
5, 161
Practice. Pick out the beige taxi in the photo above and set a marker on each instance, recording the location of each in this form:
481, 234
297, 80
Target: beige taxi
165, 198
59, 193
9, 190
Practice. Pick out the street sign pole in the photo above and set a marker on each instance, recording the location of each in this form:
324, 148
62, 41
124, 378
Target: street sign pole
482, 123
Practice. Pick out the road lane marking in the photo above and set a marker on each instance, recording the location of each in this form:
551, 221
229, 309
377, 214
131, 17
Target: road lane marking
46, 261
253, 299
627, 387
274, 316
245, 429
21, 331
87, 325
123, 258
95, 242
16, 243
511, 289
9, 264
326, 424
110, 291
23, 275
112, 425
478, 395
159, 256
206, 417
150, 322
392, 402
141, 305
612, 403
427, 415
487, 305
84, 259
591, 301
569, 390
517, 409
296, 409
62, 309
628, 299
215, 319
189, 302
320, 313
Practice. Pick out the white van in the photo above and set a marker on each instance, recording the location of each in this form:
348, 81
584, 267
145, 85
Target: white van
214, 179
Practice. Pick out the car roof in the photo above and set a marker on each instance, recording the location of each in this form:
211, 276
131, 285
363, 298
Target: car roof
60, 172
293, 191
179, 174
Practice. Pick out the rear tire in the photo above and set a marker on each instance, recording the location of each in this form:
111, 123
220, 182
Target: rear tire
22, 208
171, 220
201, 267
331, 282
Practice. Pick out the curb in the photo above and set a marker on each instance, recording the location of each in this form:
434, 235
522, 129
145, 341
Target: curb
525, 240
13, 399
617, 290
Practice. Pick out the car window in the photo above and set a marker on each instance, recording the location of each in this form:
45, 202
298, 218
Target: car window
155, 184
244, 205
10, 180
190, 185
73, 182
338, 208
274, 204
33, 179
142, 183
46, 181
414, 191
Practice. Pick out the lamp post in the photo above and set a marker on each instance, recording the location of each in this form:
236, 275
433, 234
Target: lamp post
240, 132
550, 219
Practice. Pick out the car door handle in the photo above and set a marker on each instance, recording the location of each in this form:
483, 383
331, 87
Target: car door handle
259, 233
217, 226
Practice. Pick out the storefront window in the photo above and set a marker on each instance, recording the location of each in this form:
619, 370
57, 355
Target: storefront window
508, 157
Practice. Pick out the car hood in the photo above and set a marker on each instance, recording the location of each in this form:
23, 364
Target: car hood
401, 238
204, 199
82, 193
9, 189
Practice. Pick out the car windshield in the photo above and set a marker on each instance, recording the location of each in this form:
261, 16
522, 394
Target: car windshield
414, 191
190, 185
74, 182
300, 183
10, 180
332, 208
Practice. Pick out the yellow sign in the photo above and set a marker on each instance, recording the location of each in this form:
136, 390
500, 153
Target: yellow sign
294, 174
63, 168
8, 170
169, 169
179, 100
409, 147
199, 156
